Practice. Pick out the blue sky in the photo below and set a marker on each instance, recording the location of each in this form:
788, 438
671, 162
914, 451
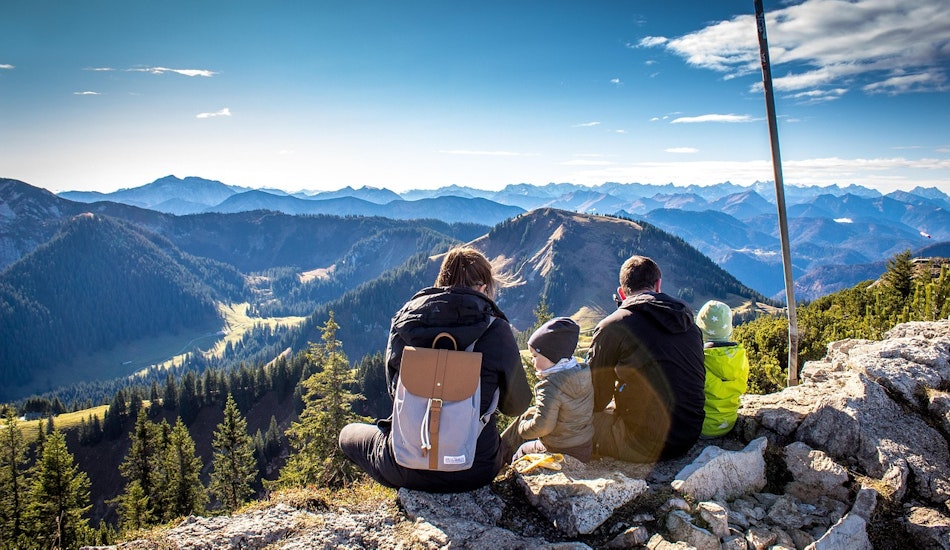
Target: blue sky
106, 94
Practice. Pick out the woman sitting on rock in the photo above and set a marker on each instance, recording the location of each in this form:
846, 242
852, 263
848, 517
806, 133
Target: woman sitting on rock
461, 303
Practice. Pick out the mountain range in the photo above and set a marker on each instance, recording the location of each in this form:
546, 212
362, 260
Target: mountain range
95, 259
831, 228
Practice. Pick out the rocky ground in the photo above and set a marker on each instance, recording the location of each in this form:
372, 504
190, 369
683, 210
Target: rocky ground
856, 456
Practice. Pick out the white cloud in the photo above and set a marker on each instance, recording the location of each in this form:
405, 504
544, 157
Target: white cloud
86, 93
829, 42
844, 220
901, 84
686, 150
818, 96
99, 69
222, 112
711, 118
651, 41
586, 124
6, 66
185, 72
615, 81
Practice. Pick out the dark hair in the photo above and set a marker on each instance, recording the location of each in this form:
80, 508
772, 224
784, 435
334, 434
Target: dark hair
639, 273
464, 266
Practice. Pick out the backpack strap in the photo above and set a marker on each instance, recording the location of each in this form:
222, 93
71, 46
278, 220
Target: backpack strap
493, 406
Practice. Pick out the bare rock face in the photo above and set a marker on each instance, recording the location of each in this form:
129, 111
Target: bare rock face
463, 520
869, 423
814, 473
579, 497
722, 474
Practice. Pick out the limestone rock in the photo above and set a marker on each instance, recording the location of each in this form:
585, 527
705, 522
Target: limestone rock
724, 475
633, 536
850, 532
735, 542
716, 516
461, 520
905, 366
760, 538
860, 423
480, 506
681, 528
657, 542
939, 408
579, 497
785, 513
930, 527
864, 503
814, 473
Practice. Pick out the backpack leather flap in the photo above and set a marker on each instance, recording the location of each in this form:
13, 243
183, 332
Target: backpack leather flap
439, 373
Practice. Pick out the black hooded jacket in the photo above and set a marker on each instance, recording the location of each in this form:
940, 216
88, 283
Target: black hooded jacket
467, 315
648, 356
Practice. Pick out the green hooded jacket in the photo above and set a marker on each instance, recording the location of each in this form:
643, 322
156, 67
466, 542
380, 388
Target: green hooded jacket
727, 377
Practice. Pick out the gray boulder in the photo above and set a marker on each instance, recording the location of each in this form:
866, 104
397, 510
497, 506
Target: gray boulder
814, 473
724, 475
579, 497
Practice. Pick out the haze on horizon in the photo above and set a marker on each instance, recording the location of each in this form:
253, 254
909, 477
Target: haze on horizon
416, 95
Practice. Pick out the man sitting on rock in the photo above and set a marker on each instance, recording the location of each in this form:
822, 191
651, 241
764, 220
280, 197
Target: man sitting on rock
646, 364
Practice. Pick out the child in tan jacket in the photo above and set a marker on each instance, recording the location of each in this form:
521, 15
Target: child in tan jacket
561, 419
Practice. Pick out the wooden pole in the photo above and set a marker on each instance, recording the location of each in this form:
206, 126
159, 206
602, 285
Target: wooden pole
779, 195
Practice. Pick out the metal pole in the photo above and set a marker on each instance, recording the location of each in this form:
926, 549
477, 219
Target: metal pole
779, 195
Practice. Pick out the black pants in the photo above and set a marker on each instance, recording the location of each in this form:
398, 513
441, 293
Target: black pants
367, 446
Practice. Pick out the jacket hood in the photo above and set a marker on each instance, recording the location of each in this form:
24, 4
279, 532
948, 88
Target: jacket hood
462, 312
668, 312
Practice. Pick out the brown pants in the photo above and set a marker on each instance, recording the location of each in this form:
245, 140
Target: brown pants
514, 447
612, 439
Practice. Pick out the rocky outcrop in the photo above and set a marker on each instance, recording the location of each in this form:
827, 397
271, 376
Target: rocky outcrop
854, 457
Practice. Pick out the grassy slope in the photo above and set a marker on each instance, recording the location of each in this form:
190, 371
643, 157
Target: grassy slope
163, 350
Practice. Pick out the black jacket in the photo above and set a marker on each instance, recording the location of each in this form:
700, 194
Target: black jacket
648, 356
466, 315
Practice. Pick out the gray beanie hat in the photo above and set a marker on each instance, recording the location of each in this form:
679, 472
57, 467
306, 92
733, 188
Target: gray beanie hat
555, 339
715, 321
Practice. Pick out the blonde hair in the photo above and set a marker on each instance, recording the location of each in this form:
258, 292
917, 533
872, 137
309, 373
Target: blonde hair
466, 267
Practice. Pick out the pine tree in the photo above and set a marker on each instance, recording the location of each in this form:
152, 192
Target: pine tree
141, 469
134, 508
59, 497
371, 373
317, 459
900, 274
542, 314
115, 416
40, 439
272, 439
184, 494
170, 399
234, 464
188, 401
13, 482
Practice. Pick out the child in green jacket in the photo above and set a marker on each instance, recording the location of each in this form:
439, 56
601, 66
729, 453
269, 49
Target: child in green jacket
727, 368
